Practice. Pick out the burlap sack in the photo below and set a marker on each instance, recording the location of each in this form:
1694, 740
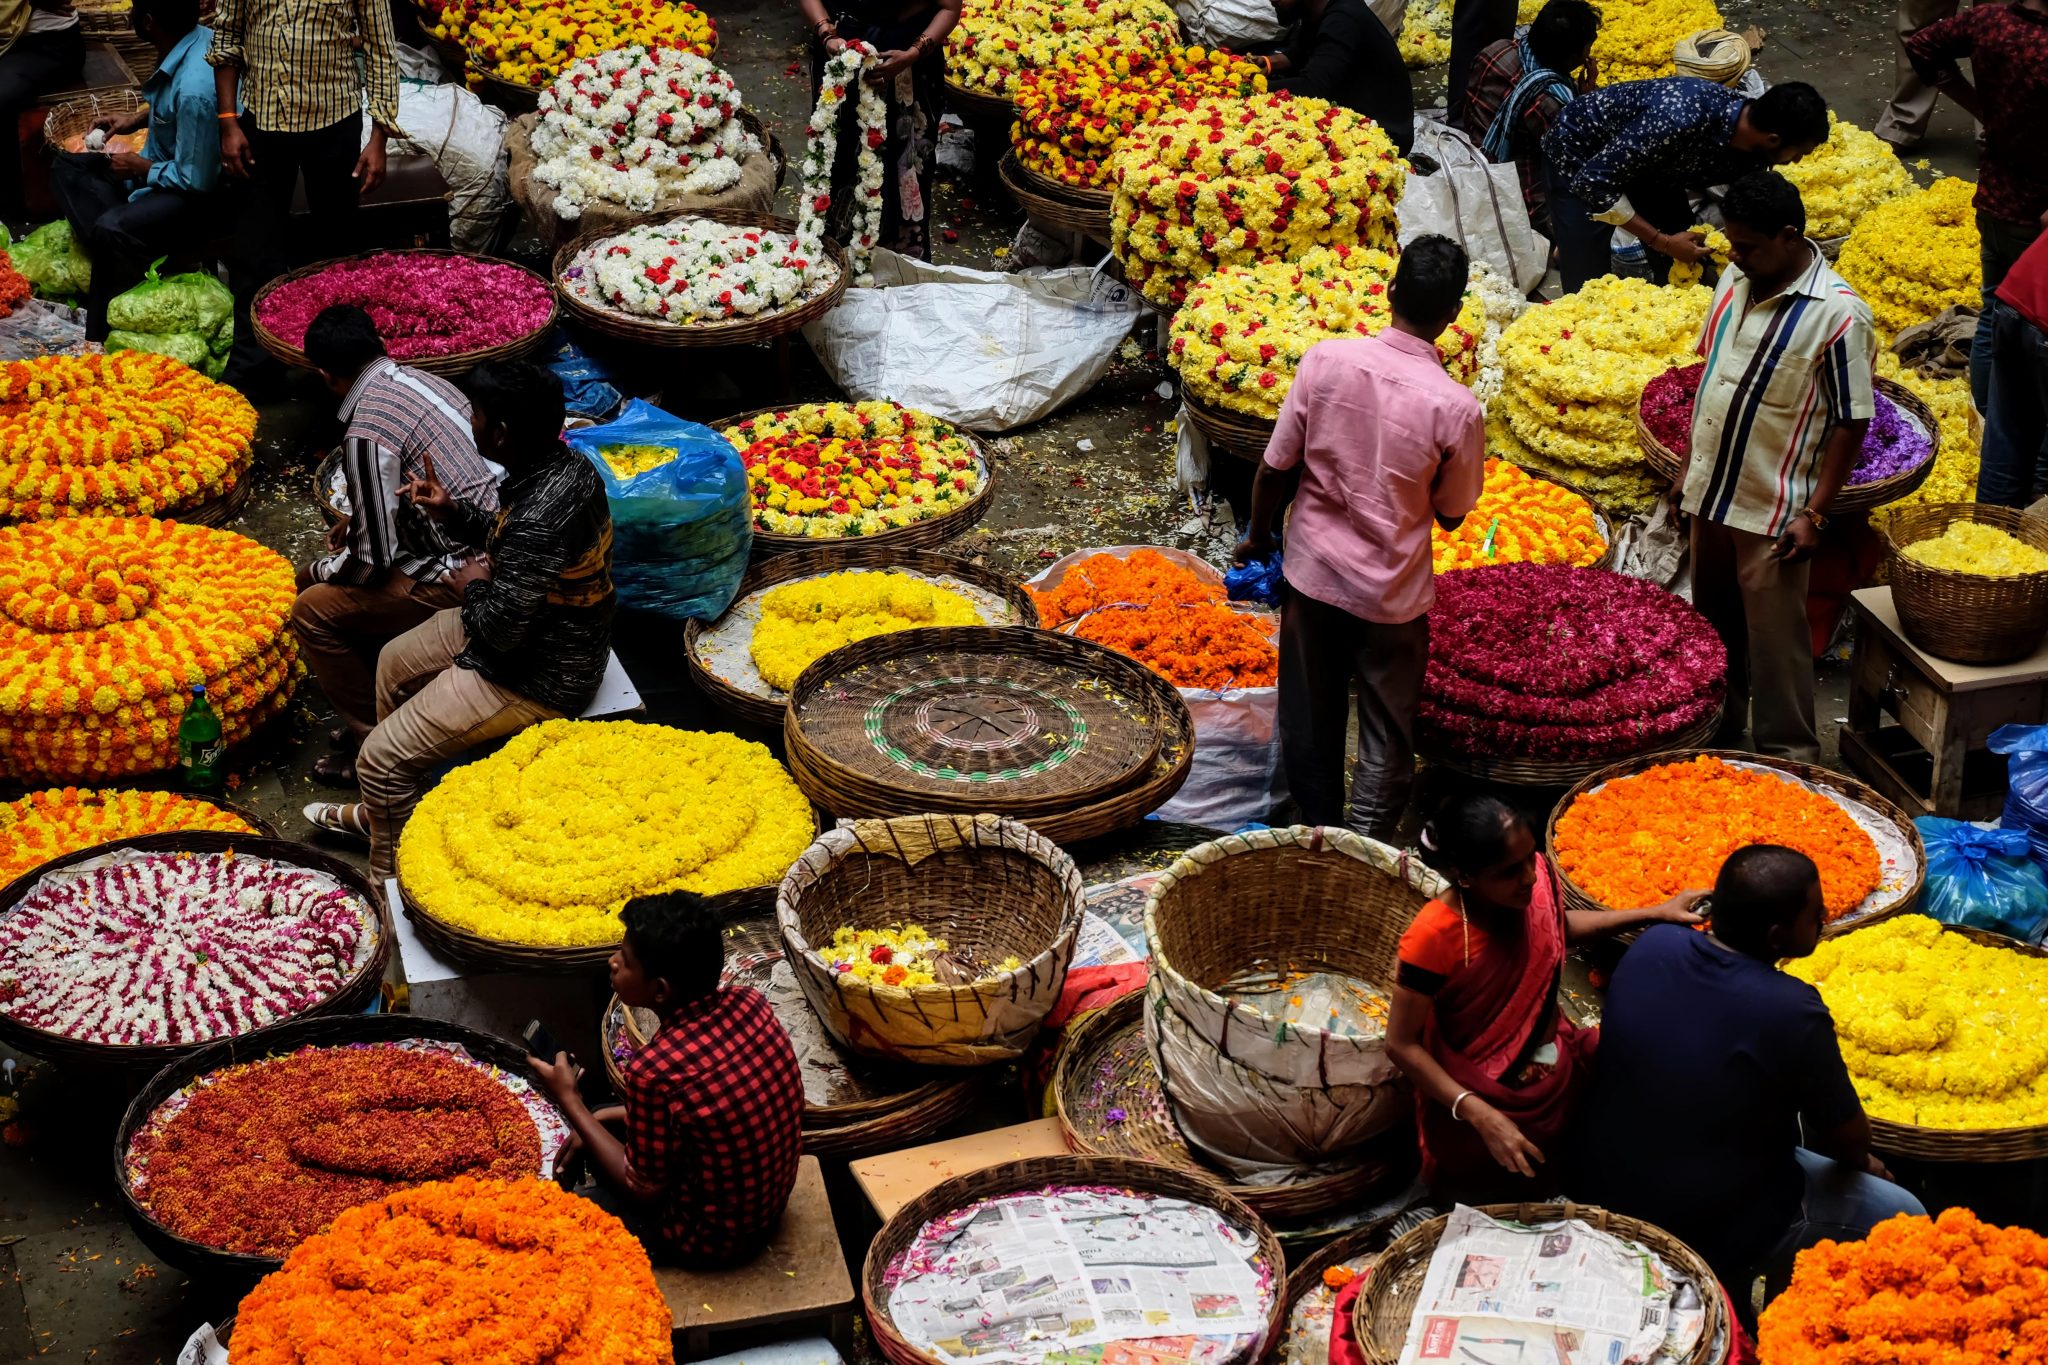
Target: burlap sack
755, 192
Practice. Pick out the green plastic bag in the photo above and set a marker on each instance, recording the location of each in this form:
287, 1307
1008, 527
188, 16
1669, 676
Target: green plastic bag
223, 339
193, 302
55, 264
189, 347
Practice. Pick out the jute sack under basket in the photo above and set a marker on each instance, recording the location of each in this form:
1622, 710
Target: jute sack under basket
1264, 1098
754, 193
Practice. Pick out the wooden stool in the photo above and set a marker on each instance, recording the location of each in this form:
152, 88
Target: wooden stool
1933, 762
800, 1277
893, 1179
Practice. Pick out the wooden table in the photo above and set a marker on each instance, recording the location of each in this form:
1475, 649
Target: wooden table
893, 1179
1933, 761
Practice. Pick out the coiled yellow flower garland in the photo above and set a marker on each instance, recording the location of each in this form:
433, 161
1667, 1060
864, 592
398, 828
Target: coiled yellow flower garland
801, 622
1849, 175
1915, 256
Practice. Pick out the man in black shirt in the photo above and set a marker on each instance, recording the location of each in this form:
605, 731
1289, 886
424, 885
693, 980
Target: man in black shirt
1342, 53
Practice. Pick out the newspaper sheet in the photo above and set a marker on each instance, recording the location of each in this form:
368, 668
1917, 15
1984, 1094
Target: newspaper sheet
1076, 1276
1564, 1293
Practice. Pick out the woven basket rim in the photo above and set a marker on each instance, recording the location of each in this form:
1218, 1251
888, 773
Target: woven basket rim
57, 128
978, 102
1532, 772
1042, 199
1937, 517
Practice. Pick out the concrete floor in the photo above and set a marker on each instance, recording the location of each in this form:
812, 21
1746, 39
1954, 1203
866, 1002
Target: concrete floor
76, 1285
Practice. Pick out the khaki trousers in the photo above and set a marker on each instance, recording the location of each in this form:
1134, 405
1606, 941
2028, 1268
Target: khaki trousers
342, 629
429, 709
1905, 119
1758, 606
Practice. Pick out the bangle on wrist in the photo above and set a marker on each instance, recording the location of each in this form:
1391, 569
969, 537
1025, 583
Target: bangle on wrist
227, 118
1463, 1095
1819, 520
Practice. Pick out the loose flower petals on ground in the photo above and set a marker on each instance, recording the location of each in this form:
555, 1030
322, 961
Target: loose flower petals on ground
424, 305
49, 824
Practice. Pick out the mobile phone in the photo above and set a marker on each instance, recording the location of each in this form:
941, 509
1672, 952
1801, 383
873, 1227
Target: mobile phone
539, 1042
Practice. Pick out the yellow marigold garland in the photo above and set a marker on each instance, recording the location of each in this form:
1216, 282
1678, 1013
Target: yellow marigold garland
1240, 336
1072, 113
543, 842
803, 621
1915, 256
996, 41
530, 42
1637, 37
1425, 37
1520, 519
106, 624
1851, 173
123, 435
49, 824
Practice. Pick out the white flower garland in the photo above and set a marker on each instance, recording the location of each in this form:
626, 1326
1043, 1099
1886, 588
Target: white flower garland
821, 151
1503, 304
694, 270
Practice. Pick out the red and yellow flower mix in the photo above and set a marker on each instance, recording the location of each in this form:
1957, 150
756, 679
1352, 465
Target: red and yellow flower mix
49, 824
124, 434
831, 470
106, 623
1072, 114
1520, 519
997, 42
486, 1272
1168, 618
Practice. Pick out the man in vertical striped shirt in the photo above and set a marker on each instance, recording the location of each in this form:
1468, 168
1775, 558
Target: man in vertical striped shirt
1778, 424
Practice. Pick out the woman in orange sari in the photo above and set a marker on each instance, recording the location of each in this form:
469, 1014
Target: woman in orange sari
1475, 1023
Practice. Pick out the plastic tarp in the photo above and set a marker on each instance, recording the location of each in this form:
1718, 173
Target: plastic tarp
465, 138
1983, 878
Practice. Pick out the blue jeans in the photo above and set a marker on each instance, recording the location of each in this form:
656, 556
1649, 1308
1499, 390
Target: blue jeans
2016, 413
1841, 1204
2002, 242
1585, 246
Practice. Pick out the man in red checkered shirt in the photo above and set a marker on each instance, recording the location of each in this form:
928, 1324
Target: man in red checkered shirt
714, 1102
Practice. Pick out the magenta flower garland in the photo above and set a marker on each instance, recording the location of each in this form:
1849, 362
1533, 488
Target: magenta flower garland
424, 306
1554, 662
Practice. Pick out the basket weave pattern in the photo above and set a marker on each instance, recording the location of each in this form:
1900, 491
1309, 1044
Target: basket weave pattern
1968, 617
1062, 206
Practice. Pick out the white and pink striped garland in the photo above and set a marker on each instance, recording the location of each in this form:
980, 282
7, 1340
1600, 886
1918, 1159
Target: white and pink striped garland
178, 948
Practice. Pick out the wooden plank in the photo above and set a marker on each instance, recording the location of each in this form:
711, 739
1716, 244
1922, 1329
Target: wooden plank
1874, 608
801, 1274
893, 1179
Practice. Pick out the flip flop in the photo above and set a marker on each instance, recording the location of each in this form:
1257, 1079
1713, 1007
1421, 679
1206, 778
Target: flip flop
335, 770
350, 820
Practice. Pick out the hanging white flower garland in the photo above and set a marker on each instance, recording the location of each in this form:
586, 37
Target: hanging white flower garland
842, 72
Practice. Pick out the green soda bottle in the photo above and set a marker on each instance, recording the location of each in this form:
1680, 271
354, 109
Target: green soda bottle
199, 744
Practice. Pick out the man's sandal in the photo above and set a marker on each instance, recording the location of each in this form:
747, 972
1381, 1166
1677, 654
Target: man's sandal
335, 770
351, 820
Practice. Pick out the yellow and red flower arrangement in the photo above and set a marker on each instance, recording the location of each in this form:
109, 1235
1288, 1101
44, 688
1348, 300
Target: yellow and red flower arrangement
1072, 114
124, 434
1165, 616
839, 470
14, 286
487, 1272
997, 42
1520, 519
530, 42
1638, 841
107, 623
49, 824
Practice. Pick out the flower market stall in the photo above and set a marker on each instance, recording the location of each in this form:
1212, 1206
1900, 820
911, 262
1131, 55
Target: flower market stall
1853, 172
1915, 255
1970, 581
1637, 37
514, 48
996, 41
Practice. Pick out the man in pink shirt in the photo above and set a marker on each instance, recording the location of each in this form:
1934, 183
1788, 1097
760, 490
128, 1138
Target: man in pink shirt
1385, 443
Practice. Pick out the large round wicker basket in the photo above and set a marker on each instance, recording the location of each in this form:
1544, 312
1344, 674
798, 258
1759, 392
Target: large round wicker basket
973, 104
1233, 924
1234, 433
1359, 1249
1066, 207
75, 117
900, 1233
454, 363
991, 888
1548, 772
244, 1268
356, 994
1382, 1314
754, 699
1902, 883
1969, 617
224, 506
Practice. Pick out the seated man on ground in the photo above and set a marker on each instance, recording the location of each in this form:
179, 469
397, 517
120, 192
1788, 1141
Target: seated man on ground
390, 566
529, 642
1721, 1110
714, 1102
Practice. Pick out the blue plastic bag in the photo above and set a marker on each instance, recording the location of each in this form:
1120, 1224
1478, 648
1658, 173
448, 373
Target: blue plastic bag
1259, 581
1984, 878
586, 385
681, 529
2026, 782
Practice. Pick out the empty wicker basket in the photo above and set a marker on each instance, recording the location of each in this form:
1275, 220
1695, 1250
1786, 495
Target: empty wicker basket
991, 888
1251, 1088
1969, 617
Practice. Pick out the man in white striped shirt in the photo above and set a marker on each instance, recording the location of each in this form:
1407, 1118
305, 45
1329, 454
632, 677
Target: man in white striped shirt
1779, 422
390, 567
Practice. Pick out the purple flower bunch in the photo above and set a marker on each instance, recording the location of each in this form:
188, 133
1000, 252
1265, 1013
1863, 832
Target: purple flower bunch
423, 305
1894, 444
1556, 662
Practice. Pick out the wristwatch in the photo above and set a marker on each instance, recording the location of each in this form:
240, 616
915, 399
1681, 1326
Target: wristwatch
1820, 522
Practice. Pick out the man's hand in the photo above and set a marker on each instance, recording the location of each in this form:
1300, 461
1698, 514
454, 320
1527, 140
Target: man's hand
889, 65
1510, 1147
1679, 909
559, 1077
426, 492
369, 171
1252, 548
566, 1158
1589, 74
477, 570
1875, 1165
1798, 542
1690, 248
129, 164
337, 535
235, 155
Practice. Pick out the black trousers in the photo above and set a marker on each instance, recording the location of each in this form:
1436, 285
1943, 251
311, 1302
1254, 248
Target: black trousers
264, 243
123, 236
37, 64
1475, 26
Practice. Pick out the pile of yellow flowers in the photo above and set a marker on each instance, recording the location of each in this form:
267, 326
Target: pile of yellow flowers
1425, 35
1240, 336
530, 42
1686, 273
1637, 37
803, 621
1072, 113
1937, 1031
49, 824
1973, 547
630, 462
1915, 256
1221, 182
1954, 477
904, 956
1520, 519
545, 841
1849, 175
1575, 371
996, 41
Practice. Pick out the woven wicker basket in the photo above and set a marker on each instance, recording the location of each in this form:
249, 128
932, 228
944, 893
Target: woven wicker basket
1971, 618
1264, 906
323, 488
243, 1269
1021, 1177
1066, 207
1540, 772
455, 363
1360, 1247
972, 104
834, 558
222, 507
1381, 1314
1820, 779
1234, 433
76, 116
990, 888
1667, 463
106, 20
355, 995
741, 332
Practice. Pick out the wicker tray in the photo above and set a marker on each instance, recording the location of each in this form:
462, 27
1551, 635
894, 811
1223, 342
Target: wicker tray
972, 104
1233, 432
222, 508
959, 720
745, 694
1017, 1177
1540, 772
455, 363
1047, 201
355, 995
1971, 618
1666, 463
75, 116
242, 1267
1109, 1102
740, 332
1361, 1244
1888, 900
1381, 1314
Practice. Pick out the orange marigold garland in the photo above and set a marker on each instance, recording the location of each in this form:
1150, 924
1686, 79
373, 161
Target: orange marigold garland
1951, 1290
1640, 840
49, 824
1520, 519
486, 1272
1168, 618
107, 623
14, 286
116, 435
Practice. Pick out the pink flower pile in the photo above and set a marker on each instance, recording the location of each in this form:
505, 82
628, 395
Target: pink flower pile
423, 305
1553, 662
